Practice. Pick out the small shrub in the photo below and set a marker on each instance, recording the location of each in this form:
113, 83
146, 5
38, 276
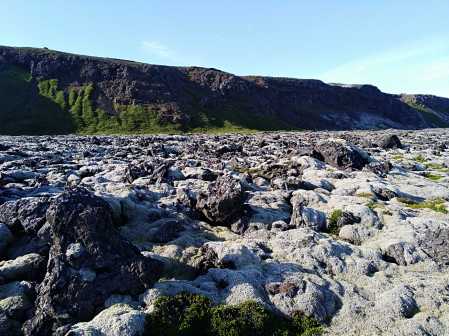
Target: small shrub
306, 326
183, 314
193, 315
248, 318
334, 217
372, 204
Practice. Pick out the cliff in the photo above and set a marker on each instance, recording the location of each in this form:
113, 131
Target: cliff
44, 91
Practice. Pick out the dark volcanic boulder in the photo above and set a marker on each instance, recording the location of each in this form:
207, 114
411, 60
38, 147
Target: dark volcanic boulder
341, 154
88, 262
223, 201
27, 214
389, 141
347, 218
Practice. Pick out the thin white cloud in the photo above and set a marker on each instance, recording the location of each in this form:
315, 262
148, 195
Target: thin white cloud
418, 66
159, 50
436, 70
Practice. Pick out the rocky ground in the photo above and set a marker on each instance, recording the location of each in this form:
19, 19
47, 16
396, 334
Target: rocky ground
349, 227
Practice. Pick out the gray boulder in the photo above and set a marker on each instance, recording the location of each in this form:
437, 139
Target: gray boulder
117, 320
28, 267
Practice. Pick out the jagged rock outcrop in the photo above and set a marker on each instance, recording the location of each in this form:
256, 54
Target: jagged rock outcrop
88, 262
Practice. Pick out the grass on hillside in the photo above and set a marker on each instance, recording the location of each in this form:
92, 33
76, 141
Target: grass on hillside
427, 114
30, 106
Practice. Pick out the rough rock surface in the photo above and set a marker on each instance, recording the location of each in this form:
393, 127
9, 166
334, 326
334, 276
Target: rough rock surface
88, 262
341, 154
129, 219
222, 201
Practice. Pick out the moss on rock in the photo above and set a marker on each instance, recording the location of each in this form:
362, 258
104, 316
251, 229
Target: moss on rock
194, 315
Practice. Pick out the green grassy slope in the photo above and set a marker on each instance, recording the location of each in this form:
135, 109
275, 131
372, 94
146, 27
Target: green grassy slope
23, 110
428, 114
30, 106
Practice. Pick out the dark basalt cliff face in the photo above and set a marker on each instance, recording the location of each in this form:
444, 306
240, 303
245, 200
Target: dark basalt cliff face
44, 91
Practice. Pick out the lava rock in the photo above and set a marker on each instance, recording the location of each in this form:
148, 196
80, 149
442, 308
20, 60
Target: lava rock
341, 154
303, 216
75, 289
167, 230
27, 214
6, 237
380, 168
389, 141
223, 201
347, 218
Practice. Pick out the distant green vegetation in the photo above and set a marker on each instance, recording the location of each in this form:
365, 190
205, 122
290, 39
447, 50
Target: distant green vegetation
23, 110
436, 204
427, 114
433, 177
194, 315
437, 166
90, 120
31, 106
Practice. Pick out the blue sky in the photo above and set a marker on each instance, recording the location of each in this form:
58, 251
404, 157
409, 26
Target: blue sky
400, 46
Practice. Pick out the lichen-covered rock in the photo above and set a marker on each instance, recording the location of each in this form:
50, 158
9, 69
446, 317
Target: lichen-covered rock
117, 320
378, 265
28, 267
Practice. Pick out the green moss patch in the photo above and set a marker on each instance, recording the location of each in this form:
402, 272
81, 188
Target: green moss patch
419, 158
433, 177
365, 195
194, 315
436, 204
